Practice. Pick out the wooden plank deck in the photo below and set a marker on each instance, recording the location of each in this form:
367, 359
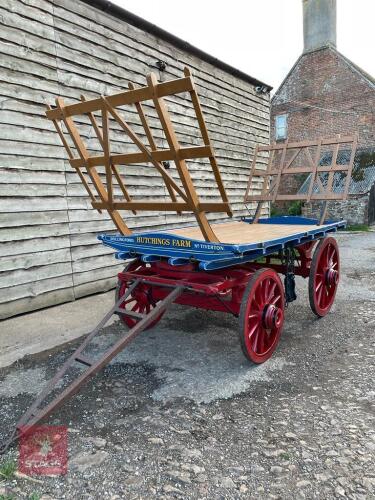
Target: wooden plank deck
238, 232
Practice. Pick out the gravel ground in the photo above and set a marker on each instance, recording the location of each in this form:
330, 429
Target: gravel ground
181, 414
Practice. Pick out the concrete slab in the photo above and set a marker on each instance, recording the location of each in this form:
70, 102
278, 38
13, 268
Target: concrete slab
42, 330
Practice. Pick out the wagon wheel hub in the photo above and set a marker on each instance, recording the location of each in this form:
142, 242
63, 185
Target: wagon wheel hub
331, 277
272, 316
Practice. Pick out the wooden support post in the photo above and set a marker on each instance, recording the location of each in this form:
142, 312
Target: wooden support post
252, 173
181, 166
350, 166
314, 173
151, 141
133, 136
71, 159
206, 139
113, 167
264, 187
107, 157
94, 123
281, 170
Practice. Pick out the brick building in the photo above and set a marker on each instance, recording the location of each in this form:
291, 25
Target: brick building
325, 94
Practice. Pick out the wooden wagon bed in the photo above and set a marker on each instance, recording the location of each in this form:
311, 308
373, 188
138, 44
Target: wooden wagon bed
240, 232
241, 241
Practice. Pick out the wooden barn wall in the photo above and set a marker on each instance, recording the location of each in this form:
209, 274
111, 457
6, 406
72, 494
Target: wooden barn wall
49, 253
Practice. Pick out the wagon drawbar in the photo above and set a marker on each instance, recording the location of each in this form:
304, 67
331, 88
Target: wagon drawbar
231, 267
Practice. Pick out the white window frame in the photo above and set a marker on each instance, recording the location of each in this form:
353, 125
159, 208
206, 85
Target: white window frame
281, 129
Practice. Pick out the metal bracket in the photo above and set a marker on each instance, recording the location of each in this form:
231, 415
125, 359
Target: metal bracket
289, 280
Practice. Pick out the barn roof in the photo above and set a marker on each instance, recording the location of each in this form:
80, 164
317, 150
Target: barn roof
139, 22
363, 175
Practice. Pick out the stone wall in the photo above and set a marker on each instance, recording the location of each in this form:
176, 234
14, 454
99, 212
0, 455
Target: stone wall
354, 210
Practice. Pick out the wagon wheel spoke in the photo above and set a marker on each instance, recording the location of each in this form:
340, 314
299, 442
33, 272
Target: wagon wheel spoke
268, 340
255, 341
258, 297
266, 290
319, 296
319, 285
254, 315
330, 256
325, 260
271, 293
129, 301
255, 306
275, 300
253, 330
260, 339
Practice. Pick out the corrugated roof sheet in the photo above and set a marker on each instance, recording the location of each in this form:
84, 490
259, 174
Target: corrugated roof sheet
363, 175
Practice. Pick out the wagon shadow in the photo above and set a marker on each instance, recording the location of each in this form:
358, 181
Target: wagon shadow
195, 354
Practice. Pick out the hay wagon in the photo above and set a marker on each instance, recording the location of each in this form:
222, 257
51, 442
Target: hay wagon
232, 266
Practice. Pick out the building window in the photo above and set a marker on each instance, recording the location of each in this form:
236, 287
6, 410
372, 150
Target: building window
280, 127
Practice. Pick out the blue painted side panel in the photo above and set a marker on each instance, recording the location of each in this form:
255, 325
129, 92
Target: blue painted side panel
151, 246
293, 220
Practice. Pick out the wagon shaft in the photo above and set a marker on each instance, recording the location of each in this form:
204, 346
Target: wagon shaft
42, 407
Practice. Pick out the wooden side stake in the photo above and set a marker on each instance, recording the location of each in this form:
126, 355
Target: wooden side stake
181, 166
151, 141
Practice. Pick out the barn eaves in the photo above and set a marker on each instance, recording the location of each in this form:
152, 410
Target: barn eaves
141, 23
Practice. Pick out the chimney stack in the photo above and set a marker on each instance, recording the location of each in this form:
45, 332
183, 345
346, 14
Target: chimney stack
319, 24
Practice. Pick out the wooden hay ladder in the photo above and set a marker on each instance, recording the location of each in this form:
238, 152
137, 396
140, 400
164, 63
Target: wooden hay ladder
153, 92
270, 188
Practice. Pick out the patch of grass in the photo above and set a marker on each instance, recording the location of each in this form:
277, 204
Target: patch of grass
275, 211
7, 469
295, 208
34, 496
357, 227
290, 208
285, 456
7, 497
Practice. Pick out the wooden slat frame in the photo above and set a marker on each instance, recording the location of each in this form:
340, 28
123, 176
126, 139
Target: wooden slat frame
312, 168
182, 198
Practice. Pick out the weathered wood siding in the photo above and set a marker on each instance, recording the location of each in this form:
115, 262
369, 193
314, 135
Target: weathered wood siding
49, 253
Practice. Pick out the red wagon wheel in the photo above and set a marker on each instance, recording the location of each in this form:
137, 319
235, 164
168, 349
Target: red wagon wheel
324, 276
262, 315
141, 299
